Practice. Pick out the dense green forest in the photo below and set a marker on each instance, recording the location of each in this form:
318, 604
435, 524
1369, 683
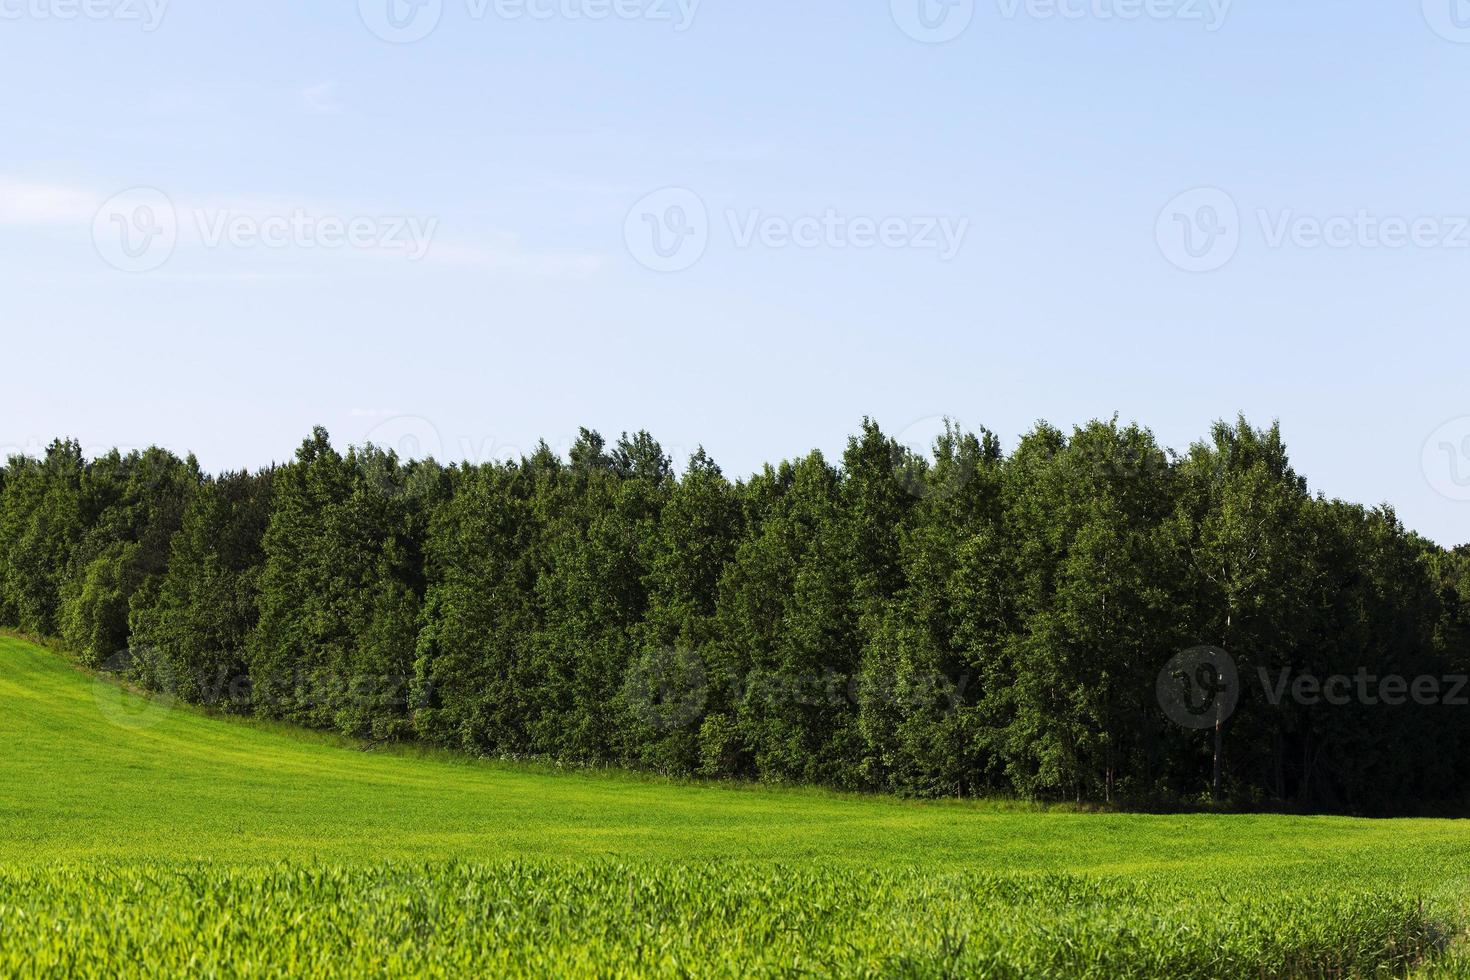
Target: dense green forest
968, 623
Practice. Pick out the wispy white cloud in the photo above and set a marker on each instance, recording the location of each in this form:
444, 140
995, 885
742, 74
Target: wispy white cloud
506, 254
28, 202
204, 223
578, 187
743, 153
195, 101
321, 99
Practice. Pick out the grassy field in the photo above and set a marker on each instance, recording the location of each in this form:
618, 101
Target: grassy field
138, 837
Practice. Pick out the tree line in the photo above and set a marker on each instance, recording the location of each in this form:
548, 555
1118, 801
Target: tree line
962, 623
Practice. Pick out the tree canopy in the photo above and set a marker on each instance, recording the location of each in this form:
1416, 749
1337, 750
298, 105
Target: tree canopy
958, 623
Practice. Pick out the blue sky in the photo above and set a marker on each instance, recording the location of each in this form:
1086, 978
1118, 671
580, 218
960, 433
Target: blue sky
1173, 210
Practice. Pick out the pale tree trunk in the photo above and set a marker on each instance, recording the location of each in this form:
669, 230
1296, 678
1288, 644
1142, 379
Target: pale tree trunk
1219, 753
1220, 729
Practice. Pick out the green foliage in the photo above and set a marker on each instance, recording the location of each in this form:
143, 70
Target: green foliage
959, 623
1094, 611
42, 519
94, 604
922, 713
205, 608
602, 919
601, 527
788, 651
669, 687
474, 656
338, 593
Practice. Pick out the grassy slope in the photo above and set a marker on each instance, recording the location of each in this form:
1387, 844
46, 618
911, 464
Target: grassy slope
89, 773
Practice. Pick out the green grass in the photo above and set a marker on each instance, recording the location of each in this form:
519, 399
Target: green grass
139, 838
